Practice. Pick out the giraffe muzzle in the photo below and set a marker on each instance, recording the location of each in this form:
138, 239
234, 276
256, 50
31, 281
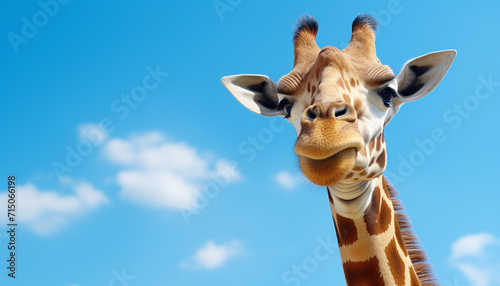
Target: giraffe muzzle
327, 149
324, 137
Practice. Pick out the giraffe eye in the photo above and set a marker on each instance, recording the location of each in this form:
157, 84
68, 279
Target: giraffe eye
387, 94
286, 105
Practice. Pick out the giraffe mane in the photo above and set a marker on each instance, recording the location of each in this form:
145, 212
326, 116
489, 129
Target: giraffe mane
417, 255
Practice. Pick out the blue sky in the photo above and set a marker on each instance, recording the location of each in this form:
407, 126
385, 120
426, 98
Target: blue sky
174, 192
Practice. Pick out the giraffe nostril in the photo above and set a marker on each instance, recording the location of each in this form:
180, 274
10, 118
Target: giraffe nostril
311, 114
341, 112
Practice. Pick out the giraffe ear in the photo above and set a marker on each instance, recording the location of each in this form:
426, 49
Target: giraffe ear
421, 75
256, 92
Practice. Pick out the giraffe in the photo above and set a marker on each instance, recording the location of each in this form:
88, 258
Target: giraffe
339, 102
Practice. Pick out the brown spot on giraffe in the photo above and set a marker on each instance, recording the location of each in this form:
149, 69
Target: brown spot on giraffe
358, 168
347, 233
308, 87
413, 278
346, 97
399, 238
371, 145
363, 272
381, 160
358, 106
313, 89
378, 216
396, 264
379, 142
352, 82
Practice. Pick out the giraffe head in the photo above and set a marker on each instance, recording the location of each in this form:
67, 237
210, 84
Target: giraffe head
339, 101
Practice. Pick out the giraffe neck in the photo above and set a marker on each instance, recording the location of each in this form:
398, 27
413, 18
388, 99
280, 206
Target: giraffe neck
372, 249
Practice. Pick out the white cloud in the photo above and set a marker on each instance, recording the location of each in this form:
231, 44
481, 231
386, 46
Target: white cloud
159, 173
92, 132
226, 169
471, 245
157, 188
286, 180
476, 275
46, 212
213, 256
477, 257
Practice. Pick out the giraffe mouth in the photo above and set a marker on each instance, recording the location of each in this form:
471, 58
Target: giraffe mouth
328, 171
327, 150
327, 137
